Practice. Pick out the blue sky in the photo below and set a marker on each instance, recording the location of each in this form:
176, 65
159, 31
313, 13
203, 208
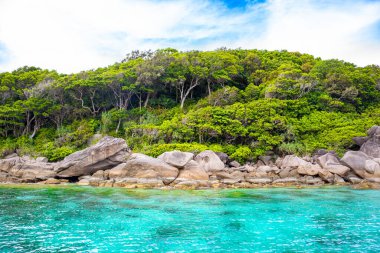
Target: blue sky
73, 35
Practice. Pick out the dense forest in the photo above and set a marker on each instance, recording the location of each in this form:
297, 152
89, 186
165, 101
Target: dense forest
245, 103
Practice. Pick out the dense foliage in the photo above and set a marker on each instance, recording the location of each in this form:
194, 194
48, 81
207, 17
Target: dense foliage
242, 102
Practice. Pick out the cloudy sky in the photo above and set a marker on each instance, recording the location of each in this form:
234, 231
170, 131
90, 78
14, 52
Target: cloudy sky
74, 35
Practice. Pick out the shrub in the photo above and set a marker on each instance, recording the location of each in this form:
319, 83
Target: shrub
242, 154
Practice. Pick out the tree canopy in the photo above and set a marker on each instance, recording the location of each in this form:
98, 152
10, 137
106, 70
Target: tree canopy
243, 102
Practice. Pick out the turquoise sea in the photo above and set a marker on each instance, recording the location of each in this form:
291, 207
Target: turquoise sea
85, 219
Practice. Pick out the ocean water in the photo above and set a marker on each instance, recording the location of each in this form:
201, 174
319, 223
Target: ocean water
85, 219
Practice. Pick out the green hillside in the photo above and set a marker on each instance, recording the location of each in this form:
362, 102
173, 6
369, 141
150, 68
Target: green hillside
242, 102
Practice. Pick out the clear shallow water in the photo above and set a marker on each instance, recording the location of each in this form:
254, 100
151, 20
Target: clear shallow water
80, 219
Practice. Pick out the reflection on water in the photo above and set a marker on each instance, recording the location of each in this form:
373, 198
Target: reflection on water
75, 219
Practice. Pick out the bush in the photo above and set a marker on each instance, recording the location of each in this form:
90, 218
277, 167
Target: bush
158, 149
56, 153
242, 154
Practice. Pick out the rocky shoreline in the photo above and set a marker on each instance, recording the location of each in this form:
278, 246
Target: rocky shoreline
110, 163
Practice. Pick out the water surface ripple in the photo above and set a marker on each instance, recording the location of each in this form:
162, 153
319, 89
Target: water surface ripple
81, 219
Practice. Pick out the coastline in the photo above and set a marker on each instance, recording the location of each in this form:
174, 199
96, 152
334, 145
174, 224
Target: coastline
111, 163
358, 186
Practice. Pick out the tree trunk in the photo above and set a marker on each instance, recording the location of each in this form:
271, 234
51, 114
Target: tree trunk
147, 100
118, 126
35, 129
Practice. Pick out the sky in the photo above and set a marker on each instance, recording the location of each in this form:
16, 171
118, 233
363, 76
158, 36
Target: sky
74, 35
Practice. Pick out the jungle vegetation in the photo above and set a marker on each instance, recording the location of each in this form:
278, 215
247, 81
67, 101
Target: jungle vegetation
245, 103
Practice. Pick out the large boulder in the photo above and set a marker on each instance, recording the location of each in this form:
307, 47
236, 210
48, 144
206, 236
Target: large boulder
291, 161
360, 140
372, 146
331, 163
288, 172
7, 164
223, 157
209, 161
33, 172
326, 175
176, 158
26, 169
309, 169
106, 154
362, 164
192, 171
143, 166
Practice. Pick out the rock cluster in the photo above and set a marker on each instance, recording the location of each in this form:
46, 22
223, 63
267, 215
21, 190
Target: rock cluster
110, 163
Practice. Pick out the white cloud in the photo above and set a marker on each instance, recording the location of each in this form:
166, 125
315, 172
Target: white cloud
328, 31
73, 35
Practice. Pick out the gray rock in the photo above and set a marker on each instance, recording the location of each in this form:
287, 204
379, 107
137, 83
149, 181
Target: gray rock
360, 140
52, 181
224, 175
223, 157
374, 179
176, 158
192, 183
238, 174
354, 179
286, 180
84, 182
320, 152
266, 159
244, 168
99, 174
331, 163
209, 161
338, 179
326, 176
13, 155
143, 166
288, 172
106, 154
292, 161
362, 164
235, 164
308, 169
372, 146
314, 180
7, 164
373, 131
192, 171
230, 181
259, 180
26, 169
32, 171
268, 169
42, 159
